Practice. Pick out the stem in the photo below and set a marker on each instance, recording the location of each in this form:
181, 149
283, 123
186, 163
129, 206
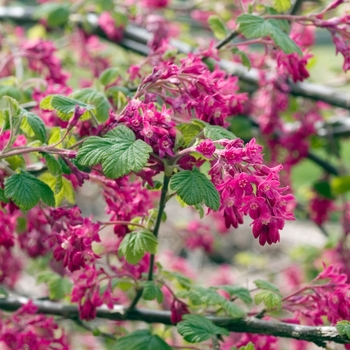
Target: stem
48, 149
226, 40
214, 340
155, 232
159, 220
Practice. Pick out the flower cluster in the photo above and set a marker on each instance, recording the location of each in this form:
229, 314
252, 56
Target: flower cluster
192, 87
26, 329
249, 188
72, 238
152, 126
330, 299
42, 59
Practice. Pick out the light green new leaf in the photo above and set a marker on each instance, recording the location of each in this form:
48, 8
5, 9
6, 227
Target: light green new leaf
151, 291
238, 291
266, 285
270, 299
209, 297
11, 91
218, 27
189, 132
340, 185
141, 340
257, 27
193, 187
109, 76
33, 126
196, 328
96, 98
26, 190
58, 286
64, 106
136, 244
118, 151
281, 5
62, 187
343, 327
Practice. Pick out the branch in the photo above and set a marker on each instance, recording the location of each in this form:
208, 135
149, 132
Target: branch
317, 335
136, 39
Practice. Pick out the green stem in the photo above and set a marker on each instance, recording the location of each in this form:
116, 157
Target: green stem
155, 232
159, 220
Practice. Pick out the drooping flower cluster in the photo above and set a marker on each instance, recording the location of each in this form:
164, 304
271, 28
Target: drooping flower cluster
72, 238
320, 209
249, 188
25, 329
110, 27
42, 59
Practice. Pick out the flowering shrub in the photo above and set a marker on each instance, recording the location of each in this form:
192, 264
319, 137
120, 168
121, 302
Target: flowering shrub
147, 132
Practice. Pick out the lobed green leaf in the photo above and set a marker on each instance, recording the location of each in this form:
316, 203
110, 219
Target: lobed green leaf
26, 190
141, 340
193, 188
196, 329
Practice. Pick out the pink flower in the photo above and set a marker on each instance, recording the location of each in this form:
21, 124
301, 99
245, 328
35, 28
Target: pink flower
207, 148
178, 309
109, 26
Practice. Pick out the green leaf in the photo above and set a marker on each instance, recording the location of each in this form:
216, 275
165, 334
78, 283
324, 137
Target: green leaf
343, 327
340, 185
270, 299
239, 292
249, 346
209, 296
324, 189
266, 285
3, 293
244, 57
64, 106
151, 291
141, 340
118, 152
33, 126
96, 98
109, 76
193, 187
56, 14
2, 196
62, 188
26, 190
52, 163
253, 27
58, 286
216, 132
196, 328
281, 5
218, 27
16, 162
11, 91
136, 244
189, 132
